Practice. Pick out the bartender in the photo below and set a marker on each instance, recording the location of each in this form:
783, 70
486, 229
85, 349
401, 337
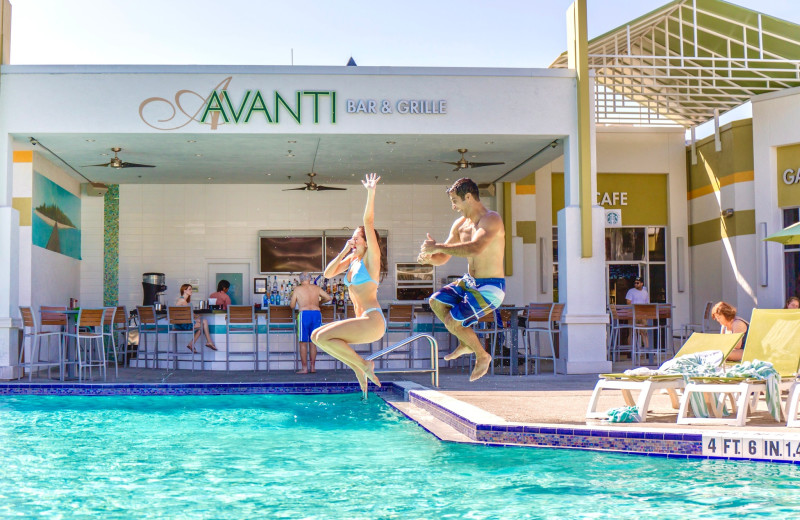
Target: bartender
223, 300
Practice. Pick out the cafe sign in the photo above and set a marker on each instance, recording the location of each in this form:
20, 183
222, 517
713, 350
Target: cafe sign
788, 166
226, 106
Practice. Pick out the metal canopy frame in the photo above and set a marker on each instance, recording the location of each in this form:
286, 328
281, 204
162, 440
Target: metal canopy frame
689, 61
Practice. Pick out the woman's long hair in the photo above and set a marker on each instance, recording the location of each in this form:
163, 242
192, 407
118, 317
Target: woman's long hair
183, 288
363, 233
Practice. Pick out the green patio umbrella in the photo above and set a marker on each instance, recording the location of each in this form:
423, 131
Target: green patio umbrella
787, 236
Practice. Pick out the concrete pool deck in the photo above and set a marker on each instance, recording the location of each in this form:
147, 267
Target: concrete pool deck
539, 410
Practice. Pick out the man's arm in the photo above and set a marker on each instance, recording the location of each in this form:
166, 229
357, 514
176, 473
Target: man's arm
488, 228
440, 258
323, 296
293, 298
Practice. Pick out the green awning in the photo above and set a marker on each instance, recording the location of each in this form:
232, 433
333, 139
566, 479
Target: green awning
683, 62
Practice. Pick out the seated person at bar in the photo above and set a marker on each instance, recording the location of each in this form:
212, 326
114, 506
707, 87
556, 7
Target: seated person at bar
223, 300
185, 300
307, 297
725, 314
638, 295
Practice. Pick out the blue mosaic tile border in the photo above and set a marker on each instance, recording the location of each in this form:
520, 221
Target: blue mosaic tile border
673, 445
108, 389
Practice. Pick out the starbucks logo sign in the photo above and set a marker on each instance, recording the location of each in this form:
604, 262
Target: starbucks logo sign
613, 218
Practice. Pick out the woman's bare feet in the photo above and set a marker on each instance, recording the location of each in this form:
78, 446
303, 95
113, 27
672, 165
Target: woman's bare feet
362, 381
211, 346
191, 347
460, 350
302, 371
370, 373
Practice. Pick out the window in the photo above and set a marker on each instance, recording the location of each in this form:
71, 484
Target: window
791, 257
631, 252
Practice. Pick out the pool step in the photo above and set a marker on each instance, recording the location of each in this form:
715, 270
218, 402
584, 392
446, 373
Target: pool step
439, 429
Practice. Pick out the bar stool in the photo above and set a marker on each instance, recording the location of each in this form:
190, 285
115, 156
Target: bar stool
36, 334
665, 327
241, 320
120, 329
148, 324
645, 320
621, 319
329, 316
89, 340
108, 330
550, 327
704, 326
180, 320
501, 350
537, 313
281, 321
400, 320
487, 327
54, 316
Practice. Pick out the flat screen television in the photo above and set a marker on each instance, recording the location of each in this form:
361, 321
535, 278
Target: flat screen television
290, 254
335, 243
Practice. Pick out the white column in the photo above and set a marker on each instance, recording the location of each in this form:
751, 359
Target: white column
9, 265
581, 281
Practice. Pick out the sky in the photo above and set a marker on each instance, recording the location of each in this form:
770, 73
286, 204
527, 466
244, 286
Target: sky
438, 33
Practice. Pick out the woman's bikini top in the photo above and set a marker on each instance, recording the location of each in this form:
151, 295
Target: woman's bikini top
359, 276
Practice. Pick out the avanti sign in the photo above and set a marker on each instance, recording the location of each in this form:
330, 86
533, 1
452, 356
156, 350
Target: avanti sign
219, 107
220, 103
273, 107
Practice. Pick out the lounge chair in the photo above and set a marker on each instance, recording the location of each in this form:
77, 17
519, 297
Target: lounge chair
648, 384
774, 336
792, 403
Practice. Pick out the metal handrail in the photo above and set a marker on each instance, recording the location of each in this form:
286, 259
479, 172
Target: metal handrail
434, 370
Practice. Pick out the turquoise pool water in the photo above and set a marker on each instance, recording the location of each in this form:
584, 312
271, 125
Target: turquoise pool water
333, 456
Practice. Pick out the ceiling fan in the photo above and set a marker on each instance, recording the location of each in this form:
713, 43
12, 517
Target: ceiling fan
311, 185
463, 164
116, 162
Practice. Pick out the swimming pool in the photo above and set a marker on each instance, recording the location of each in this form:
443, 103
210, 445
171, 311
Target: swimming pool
333, 456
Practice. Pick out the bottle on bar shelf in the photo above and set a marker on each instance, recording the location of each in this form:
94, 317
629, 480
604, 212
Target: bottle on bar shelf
273, 295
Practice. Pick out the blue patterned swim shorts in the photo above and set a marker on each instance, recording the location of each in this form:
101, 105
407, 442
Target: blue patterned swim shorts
472, 298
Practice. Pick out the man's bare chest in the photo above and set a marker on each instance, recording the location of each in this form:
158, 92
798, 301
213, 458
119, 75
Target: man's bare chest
466, 232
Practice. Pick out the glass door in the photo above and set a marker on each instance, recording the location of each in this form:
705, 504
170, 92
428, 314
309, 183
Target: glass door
620, 280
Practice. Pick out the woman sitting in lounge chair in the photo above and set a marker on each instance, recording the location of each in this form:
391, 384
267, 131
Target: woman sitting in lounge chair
725, 314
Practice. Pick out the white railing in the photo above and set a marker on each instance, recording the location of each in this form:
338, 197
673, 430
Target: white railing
434, 370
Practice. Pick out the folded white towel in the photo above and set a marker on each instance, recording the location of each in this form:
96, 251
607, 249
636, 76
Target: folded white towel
641, 371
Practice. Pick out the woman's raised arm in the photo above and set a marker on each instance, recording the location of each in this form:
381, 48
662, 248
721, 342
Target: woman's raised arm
370, 182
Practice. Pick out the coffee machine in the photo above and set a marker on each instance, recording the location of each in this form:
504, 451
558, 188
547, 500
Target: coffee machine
152, 286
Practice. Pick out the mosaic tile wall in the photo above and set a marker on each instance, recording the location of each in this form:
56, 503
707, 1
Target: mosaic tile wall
108, 389
111, 246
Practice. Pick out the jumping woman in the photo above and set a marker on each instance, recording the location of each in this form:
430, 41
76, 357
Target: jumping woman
361, 258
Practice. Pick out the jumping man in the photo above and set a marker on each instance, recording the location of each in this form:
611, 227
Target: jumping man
479, 236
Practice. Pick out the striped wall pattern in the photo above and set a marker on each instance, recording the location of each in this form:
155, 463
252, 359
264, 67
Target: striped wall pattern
719, 181
23, 205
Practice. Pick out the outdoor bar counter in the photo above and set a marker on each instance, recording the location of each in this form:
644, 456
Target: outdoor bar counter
283, 346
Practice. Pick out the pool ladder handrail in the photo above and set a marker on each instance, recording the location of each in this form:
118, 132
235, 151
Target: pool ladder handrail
434, 370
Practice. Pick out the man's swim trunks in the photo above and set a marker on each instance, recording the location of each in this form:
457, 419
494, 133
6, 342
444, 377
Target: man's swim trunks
472, 298
307, 321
